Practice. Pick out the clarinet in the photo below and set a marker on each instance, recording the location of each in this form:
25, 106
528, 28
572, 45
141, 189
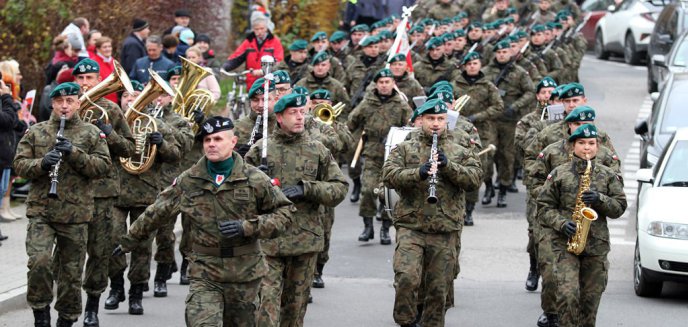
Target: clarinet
255, 130
432, 189
56, 168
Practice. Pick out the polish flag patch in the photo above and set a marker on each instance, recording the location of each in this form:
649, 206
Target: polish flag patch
102, 135
541, 155
219, 179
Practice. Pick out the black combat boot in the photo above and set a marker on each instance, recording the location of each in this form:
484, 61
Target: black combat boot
41, 317
553, 320
548, 320
519, 173
173, 269
116, 292
183, 277
468, 221
356, 192
91, 311
384, 232
380, 211
62, 322
368, 231
513, 188
135, 298
160, 280
533, 275
317, 279
489, 193
501, 197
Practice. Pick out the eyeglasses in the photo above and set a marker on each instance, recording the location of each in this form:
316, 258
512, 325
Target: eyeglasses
283, 90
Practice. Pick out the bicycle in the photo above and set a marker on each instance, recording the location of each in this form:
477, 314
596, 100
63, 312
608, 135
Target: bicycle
237, 103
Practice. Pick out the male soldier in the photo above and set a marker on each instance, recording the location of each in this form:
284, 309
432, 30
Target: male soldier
282, 83
128, 98
249, 129
484, 107
528, 53
320, 43
320, 77
577, 43
550, 58
460, 42
428, 235
544, 13
361, 72
120, 144
434, 67
386, 40
296, 63
580, 277
498, 11
517, 92
381, 109
552, 31
408, 85
523, 61
475, 9
339, 44
417, 36
72, 158
358, 33
443, 9
475, 33
231, 205
291, 258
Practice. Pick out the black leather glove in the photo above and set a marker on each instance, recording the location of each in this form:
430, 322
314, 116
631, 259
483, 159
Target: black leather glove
293, 192
243, 150
50, 159
471, 118
258, 136
590, 197
199, 117
569, 228
425, 171
510, 112
442, 160
155, 138
264, 169
105, 128
64, 145
231, 228
117, 251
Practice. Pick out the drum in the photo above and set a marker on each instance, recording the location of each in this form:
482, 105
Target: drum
395, 136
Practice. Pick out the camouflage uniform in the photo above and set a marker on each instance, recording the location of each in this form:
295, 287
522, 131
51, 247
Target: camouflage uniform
225, 272
333, 85
296, 71
555, 68
443, 10
542, 17
410, 87
359, 71
531, 68
427, 73
580, 279
427, 238
244, 127
475, 9
291, 258
345, 58
64, 220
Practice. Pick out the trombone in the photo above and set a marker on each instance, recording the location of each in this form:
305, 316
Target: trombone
326, 113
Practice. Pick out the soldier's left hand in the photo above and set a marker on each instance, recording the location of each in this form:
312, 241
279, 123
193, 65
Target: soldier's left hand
118, 251
590, 197
442, 160
510, 112
155, 138
293, 192
199, 117
231, 228
64, 145
105, 128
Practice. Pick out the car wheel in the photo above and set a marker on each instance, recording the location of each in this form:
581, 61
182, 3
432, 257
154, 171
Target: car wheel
651, 84
642, 286
631, 56
599, 47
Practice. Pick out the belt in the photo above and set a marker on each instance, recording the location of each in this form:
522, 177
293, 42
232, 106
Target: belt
227, 252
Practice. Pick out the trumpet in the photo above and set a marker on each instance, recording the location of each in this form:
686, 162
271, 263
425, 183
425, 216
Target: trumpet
432, 189
326, 113
56, 168
117, 81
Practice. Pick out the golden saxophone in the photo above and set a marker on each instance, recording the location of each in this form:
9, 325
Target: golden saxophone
583, 216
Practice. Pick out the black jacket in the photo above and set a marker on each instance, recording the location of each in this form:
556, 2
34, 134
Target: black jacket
8, 139
132, 49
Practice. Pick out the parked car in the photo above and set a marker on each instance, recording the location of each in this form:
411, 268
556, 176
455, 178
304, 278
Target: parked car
661, 248
597, 9
626, 30
676, 61
669, 29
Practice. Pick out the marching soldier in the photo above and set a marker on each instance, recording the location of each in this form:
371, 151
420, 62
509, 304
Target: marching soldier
73, 153
245, 130
428, 236
282, 84
434, 67
231, 205
128, 98
358, 33
310, 177
361, 72
544, 13
296, 63
320, 77
320, 43
538, 46
406, 83
339, 45
523, 61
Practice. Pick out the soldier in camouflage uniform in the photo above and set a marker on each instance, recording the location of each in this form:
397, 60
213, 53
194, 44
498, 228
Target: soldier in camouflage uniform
358, 33
320, 78
460, 41
120, 144
517, 92
417, 36
428, 236
577, 44
246, 126
497, 11
339, 48
310, 177
296, 63
231, 206
552, 30
361, 72
536, 52
82, 155
544, 12
406, 83
580, 279
380, 110
320, 43
282, 82
475, 9
435, 67
523, 61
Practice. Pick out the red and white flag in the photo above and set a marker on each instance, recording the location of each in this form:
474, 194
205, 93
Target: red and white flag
401, 42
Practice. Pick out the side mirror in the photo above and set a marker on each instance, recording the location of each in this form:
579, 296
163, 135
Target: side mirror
659, 60
641, 129
654, 96
644, 175
664, 38
611, 8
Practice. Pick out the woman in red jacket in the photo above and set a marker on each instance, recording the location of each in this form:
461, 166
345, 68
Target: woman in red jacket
258, 43
103, 56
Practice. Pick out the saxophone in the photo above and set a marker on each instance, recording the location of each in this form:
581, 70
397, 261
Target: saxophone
583, 216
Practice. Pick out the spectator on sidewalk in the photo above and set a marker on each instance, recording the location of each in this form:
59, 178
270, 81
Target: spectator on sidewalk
195, 55
91, 38
203, 42
186, 40
8, 141
78, 28
182, 18
169, 45
103, 56
134, 46
154, 60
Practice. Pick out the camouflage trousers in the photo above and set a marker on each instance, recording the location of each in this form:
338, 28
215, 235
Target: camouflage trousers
213, 304
69, 241
140, 258
327, 218
488, 135
346, 158
581, 280
531, 216
505, 155
99, 247
450, 291
285, 289
546, 259
164, 241
185, 242
428, 259
372, 178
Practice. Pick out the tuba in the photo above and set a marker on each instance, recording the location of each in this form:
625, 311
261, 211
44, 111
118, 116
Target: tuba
326, 113
142, 125
187, 98
583, 216
117, 81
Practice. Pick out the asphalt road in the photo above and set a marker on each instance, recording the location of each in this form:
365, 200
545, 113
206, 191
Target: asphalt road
494, 263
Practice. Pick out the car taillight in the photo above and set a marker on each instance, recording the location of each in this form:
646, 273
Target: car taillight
648, 16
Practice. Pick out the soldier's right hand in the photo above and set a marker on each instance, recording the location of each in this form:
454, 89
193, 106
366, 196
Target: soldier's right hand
105, 128
118, 251
231, 228
471, 118
425, 171
242, 150
569, 228
264, 169
155, 138
50, 159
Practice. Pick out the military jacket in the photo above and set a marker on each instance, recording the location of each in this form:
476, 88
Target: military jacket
543, 17
557, 199
568, 64
336, 88
551, 60
441, 10
358, 72
89, 160
475, 9
485, 104
323, 133
426, 74
408, 85
296, 71
401, 172
244, 127
298, 159
184, 136
515, 87
467, 127
531, 68
344, 58
246, 195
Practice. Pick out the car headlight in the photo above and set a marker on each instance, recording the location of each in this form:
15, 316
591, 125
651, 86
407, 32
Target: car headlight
652, 159
668, 230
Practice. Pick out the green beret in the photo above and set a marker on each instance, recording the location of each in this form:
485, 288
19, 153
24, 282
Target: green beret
538, 28
462, 15
300, 90
446, 37
470, 56
281, 77
564, 14
433, 107
369, 40
64, 89
511, 11
557, 91
384, 35
587, 131
291, 100
513, 39
136, 85
440, 84
549, 26
522, 35
417, 29
445, 21
427, 21
572, 90
442, 94
338, 36
258, 88
176, 70
319, 36
360, 28
474, 25
397, 57
214, 125
456, 19
434, 43
385, 72
498, 23
298, 45
377, 24
503, 44
489, 26
557, 25
414, 116
320, 57
508, 20
86, 66
581, 113
459, 33
321, 94
546, 82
